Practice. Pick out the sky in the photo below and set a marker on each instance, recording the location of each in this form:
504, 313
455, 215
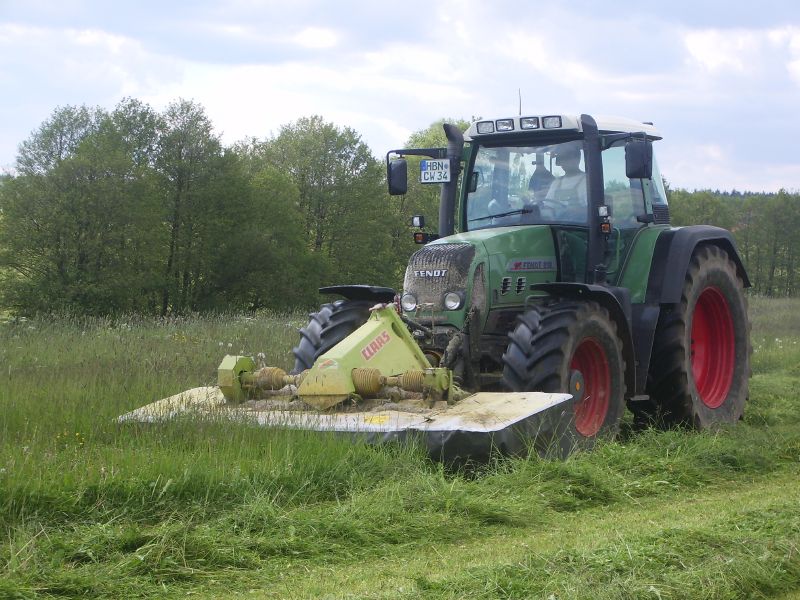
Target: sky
719, 79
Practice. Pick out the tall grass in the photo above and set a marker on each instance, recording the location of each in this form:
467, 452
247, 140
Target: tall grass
90, 508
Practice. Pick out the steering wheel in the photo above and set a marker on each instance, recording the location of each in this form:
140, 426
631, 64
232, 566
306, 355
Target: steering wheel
547, 208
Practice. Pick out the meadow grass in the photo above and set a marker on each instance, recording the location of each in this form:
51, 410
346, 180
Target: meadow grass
90, 508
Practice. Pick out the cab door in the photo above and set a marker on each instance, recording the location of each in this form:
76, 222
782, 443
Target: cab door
626, 203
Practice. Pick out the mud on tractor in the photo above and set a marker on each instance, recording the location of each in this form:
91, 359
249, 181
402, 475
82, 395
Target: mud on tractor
554, 295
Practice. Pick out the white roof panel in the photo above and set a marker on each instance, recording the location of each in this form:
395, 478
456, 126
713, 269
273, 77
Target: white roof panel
607, 124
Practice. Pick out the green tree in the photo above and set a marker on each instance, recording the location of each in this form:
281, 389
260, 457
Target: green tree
341, 197
281, 271
772, 248
764, 227
189, 157
701, 207
79, 227
57, 138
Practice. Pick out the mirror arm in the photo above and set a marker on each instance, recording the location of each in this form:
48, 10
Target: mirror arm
429, 152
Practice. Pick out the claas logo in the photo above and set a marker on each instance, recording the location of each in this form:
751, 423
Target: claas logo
372, 348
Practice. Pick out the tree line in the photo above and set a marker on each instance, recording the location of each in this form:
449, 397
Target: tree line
766, 227
135, 210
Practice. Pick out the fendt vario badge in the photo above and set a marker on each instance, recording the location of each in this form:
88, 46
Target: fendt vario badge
531, 264
430, 273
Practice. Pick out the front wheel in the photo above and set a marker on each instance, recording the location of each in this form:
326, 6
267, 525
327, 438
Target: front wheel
572, 348
327, 327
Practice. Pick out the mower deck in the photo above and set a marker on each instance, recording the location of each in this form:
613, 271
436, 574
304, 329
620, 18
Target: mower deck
471, 428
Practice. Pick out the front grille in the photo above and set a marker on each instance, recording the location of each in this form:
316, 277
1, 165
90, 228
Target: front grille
435, 270
522, 282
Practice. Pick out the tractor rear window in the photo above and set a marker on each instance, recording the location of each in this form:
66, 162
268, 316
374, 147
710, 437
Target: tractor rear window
523, 185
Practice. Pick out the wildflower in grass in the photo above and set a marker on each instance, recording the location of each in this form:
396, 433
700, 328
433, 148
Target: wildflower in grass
66, 440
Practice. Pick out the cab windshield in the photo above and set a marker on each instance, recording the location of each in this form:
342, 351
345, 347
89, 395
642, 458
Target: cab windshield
523, 185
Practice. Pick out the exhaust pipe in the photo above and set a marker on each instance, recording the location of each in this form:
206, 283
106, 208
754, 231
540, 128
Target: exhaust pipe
447, 202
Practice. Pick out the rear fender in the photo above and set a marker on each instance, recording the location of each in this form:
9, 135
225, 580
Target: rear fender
672, 254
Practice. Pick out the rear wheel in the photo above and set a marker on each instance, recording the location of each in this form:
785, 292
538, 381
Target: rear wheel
327, 327
572, 348
700, 363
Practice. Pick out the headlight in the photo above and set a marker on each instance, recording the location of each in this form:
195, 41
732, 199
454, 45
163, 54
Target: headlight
453, 300
408, 302
505, 124
551, 122
486, 127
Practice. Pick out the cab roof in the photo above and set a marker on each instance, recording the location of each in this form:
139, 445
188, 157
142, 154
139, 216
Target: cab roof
554, 123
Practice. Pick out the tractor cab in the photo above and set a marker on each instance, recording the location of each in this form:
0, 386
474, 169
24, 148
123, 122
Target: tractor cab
593, 181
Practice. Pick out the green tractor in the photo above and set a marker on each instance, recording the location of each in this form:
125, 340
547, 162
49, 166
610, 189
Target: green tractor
554, 294
555, 269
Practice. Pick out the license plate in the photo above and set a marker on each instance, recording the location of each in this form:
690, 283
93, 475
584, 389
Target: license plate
434, 171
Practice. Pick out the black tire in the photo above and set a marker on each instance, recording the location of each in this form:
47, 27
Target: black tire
326, 328
700, 365
555, 348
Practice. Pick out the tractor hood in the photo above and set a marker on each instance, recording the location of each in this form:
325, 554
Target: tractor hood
503, 261
505, 241
515, 257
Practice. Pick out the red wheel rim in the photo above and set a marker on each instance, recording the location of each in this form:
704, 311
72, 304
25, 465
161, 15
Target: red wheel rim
713, 347
590, 411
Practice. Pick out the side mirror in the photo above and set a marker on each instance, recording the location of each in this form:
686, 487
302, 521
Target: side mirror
639, 159
418, 221
397, 174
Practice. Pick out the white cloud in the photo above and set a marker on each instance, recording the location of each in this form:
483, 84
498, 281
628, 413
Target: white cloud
696, 83
717, 50
712, 166
316, 38
102, 41
99, 66
752, 54
788, 40
255, 100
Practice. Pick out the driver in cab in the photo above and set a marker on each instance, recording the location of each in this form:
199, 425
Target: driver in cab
567, 194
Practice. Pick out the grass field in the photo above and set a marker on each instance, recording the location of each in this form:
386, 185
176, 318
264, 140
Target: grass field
95, 510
